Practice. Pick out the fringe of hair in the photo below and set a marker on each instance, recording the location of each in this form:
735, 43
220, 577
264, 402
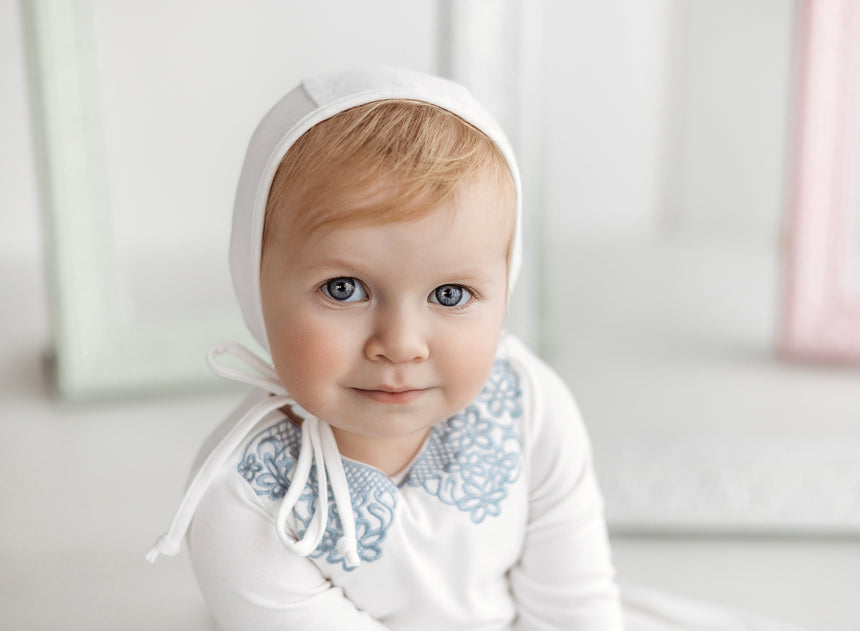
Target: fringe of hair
390, 160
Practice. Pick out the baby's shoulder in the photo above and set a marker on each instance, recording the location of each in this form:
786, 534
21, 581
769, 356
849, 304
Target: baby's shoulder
548, 404
536, 379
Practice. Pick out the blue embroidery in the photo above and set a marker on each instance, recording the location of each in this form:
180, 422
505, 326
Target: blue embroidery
266, 464
374, 500
502, 393
249, 467
471, 460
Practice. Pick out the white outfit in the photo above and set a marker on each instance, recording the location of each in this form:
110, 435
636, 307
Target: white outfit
497, 524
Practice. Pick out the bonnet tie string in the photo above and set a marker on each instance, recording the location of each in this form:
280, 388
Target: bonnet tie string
318, 452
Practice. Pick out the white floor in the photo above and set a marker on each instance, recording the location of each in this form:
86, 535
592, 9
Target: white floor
807, 582
85, 488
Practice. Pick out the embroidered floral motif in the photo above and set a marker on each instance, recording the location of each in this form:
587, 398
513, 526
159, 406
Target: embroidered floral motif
471, 460
266, 464
273, 452
249, 467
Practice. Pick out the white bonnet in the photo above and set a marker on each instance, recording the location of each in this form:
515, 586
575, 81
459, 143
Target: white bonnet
313, 101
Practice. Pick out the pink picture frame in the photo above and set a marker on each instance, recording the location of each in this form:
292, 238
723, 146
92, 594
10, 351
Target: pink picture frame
821, 314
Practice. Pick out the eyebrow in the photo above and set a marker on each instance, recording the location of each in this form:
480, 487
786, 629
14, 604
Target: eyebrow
472, 275
335, 263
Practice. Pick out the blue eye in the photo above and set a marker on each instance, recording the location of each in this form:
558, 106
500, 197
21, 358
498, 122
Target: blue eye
344, 290
450, 295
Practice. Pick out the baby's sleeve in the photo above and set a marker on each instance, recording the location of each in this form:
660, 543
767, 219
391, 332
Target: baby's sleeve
251, 582
565, 578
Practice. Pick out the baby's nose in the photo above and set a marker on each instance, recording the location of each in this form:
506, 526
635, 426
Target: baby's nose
399, 336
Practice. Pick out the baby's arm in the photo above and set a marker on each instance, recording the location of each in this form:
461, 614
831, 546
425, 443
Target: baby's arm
565, 578
251, 582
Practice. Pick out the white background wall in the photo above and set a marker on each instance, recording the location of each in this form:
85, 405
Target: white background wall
735, 89
666, 115
19, 205
607, 84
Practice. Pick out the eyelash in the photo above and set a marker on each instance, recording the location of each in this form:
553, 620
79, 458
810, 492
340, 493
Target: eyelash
461, 288
357, 286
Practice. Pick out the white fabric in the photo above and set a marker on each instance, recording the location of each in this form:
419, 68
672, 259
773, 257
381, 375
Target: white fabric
312, 102
541, 563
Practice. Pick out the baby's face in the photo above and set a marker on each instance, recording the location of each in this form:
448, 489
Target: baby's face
384, 330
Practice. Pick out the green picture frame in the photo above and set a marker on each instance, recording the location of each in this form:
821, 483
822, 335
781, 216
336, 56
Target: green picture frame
99, 348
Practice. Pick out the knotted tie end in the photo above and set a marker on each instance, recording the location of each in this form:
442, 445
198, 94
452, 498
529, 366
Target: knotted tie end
165, 545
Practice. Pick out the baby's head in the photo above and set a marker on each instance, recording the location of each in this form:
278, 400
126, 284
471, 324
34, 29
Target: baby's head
375, 241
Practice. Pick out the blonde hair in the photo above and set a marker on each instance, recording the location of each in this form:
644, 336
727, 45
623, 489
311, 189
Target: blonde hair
390, 160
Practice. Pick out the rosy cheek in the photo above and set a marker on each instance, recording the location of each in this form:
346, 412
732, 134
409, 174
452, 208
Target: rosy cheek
307, 358
471, 360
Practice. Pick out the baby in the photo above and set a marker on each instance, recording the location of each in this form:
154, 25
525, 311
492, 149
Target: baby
406, 464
